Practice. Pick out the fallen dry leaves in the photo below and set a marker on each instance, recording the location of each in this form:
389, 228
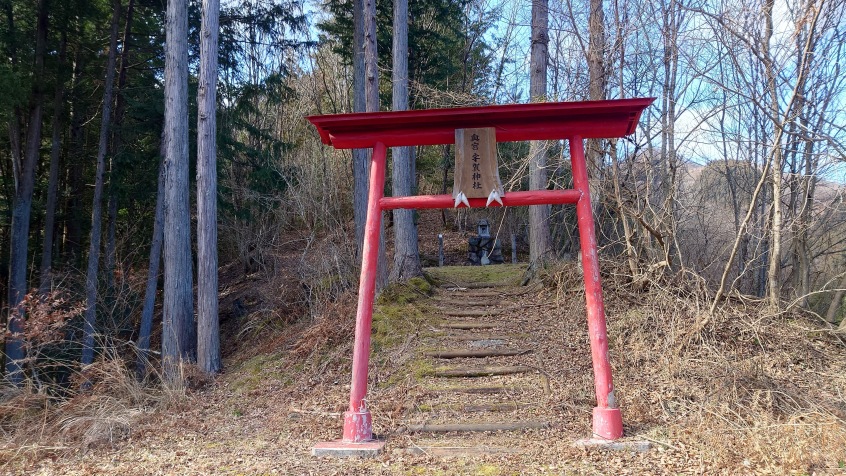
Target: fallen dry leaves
749, 394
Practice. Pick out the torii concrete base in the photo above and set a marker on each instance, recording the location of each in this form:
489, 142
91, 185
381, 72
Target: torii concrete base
342, 449
635, 446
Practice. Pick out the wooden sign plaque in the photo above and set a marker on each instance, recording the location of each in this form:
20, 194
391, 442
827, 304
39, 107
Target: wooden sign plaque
476, 167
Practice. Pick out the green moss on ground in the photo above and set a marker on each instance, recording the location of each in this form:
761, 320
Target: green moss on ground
403, 310
413, 290
262, 368
400, 311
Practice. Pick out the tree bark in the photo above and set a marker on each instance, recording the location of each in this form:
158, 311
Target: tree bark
807, 182
371, 89
179, 338
22, 206
669, 164
361, 157
208, 334
111, 233
15, 120
774, 268
539, 240
596, 85
97, 208
631, 253
120, 110
73, 216
53, 180
403, 176
836, 304
146, 326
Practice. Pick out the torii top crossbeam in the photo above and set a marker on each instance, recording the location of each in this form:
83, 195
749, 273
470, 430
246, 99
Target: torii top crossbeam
513, 122
573, 121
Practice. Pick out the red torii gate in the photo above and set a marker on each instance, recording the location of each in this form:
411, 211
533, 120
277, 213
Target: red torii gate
573, 121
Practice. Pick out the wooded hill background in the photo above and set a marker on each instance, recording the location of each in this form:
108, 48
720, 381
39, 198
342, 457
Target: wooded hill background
732, 184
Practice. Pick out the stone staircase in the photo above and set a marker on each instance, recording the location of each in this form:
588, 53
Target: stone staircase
482, 387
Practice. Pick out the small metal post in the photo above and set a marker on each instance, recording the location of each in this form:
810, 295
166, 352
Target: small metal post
513, 248
440, 249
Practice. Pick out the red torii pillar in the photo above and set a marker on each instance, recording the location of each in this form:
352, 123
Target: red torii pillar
573, 121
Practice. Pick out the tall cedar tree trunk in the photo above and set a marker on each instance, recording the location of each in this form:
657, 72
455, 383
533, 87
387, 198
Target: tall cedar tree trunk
146, 327
15, 120
539, 240
774, 268
120, 112
596, 89
97, 207
361, 157
22, 206
208, 334
53, 180
406, 252
371, 87
73, 215
111, 229
179, 339
15, 153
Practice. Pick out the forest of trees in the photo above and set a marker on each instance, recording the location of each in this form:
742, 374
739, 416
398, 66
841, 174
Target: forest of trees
150, 135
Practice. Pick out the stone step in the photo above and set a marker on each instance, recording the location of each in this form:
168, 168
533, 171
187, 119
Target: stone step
468, 325
475, 390
477, 408
458, 293
460, 286
475, 353
477, 427
496, 407
494, 292
458, 372
458, 302
484, 336
470, 312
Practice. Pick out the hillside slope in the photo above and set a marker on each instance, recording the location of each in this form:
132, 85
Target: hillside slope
746, 394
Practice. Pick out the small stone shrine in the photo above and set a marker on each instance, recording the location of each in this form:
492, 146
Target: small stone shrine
483, 249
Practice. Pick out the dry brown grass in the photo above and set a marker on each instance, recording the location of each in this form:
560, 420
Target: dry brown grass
738, 392
100, 408
742, 388
333, 326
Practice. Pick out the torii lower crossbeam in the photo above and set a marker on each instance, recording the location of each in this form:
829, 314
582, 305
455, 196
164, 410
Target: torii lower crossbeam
570, 121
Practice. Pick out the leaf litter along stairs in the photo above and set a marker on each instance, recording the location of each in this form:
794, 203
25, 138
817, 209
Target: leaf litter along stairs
468, 406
